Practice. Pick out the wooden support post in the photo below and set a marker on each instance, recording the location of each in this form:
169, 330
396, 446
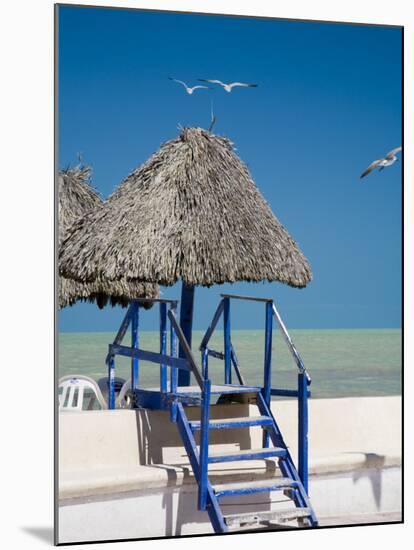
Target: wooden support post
186, 323
205, 418
163, 345
227, 341
135, 344
303, 429
267, 383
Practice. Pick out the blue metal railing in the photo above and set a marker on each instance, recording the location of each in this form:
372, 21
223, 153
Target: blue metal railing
135, 345
229, 356
185, 362
174, 351
290, 344
186, 350
133, 351
205, 385
304, 380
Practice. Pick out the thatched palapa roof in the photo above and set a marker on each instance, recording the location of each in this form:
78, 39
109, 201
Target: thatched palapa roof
193, 212
76, 198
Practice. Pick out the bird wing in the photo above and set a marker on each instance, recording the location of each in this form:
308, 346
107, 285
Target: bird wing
393, 152
211, 81
196, 87
244, 84
371, 167
179, 81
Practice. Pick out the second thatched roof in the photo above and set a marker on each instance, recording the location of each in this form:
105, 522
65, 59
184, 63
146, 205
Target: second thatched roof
192, 212
76, 198
104, 292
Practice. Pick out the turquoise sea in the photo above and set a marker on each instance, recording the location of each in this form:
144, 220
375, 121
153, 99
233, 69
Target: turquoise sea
342, 363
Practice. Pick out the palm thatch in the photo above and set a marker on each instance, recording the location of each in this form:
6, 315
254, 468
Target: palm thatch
76, 198
190, 212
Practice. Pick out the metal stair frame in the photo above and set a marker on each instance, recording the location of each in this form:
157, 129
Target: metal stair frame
230, 359
207, 499
169, 398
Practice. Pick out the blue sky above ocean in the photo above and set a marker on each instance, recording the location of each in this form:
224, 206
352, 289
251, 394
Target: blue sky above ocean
328, 102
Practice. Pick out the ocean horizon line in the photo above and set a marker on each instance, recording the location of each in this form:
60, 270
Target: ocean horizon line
240, 330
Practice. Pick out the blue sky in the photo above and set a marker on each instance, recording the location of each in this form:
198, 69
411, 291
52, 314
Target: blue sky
328, 102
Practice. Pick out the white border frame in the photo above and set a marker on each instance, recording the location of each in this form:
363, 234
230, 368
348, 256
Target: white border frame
26, 219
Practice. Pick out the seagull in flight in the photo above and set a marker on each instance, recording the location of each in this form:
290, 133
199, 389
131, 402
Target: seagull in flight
389, 159
229, 87
187, 88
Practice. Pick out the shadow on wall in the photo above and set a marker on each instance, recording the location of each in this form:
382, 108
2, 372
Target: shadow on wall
160, 446
371, 469
159, 442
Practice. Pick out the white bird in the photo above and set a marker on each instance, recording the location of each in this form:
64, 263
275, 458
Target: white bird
187, 88
389, 159
229, 87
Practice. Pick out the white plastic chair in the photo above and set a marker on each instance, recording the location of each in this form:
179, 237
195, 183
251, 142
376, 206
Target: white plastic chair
72, 390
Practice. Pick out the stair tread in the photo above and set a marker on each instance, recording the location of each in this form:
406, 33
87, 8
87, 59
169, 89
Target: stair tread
246, 452
260, 484
234, 420
211, 496
276, 515
256, 527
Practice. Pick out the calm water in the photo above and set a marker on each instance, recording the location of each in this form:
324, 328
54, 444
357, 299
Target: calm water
342, 363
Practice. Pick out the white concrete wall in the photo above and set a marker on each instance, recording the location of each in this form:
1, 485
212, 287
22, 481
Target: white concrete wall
125, 473
354, 497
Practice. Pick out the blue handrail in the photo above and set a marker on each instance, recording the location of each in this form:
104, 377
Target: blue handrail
291, 345
205, 384
186, 349
133, 351
304, 380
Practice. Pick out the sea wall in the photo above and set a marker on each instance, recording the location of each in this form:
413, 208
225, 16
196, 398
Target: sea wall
127, 472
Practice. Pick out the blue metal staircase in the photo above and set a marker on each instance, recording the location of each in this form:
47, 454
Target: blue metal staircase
290, 481
211, 495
